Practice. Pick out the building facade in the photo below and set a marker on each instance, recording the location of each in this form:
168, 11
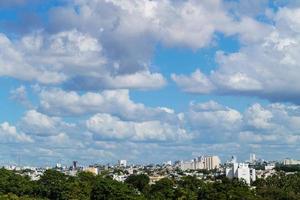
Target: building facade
202, 162
289, 161
122, 163
241, 171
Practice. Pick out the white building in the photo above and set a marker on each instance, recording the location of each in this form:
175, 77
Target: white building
202, 162
122, 163
93, 170
241, 171
289, 161
252, 158
119, 178
270, 166
169, 162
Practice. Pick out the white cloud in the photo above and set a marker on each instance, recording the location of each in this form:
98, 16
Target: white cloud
140, 80
212, 120
36, 123
258, 117
20, 95
67, 56
153, 19
13, 63
9, 133
196, 83
116, 102
207, 127
110, 44
105, 126
266, 68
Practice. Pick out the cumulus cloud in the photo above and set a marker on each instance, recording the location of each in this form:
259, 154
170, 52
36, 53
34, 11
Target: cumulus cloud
268, 69
69, 57
110, 44
139, 80
9, 133
20, 95
207, 127
153, 19
196, 83
36, 123
105, 126
117, 102
13, 64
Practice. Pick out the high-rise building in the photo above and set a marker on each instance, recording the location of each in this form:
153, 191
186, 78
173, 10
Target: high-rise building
58, 165
202, 162
74, 167
233, 159
252, 158
122, 163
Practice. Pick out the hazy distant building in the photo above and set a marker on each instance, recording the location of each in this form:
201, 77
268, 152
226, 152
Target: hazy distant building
252, 158
122, 163
289, 161
93, 170
211, 162
167, 163
270, 166
74, 167
202, 162
58, 165
232, 160
241, 171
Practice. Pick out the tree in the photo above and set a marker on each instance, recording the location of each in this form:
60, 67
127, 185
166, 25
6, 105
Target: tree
162, 190
11, 182
53, 185
139, 182
104, 189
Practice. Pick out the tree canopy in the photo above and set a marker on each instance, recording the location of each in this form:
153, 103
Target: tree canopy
84, 186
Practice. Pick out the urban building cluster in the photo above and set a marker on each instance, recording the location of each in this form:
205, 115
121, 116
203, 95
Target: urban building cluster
201, 162
203, 167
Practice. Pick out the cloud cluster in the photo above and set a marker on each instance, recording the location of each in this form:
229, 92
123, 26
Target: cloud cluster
85, 61
10, 134
92, 45
36, 123
105, 126
68, 57
207, 127
58, 102
267, 69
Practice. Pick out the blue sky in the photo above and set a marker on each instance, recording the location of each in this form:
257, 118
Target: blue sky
148, 81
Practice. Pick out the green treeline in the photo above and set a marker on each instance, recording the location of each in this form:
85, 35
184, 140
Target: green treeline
55, 185
288, 168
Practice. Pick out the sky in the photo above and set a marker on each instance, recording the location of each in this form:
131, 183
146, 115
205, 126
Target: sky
148, 81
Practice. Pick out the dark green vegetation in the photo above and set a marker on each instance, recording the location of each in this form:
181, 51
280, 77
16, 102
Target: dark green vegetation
288, 168
55, 185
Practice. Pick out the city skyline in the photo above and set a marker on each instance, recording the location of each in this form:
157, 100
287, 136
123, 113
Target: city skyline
148, 81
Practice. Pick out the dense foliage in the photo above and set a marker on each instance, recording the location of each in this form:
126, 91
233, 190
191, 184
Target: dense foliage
55, 185
288, 168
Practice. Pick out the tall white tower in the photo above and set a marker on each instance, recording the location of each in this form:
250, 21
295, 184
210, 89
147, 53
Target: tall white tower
252, 158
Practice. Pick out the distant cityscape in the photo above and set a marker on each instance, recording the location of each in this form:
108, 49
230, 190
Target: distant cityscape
201, 167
